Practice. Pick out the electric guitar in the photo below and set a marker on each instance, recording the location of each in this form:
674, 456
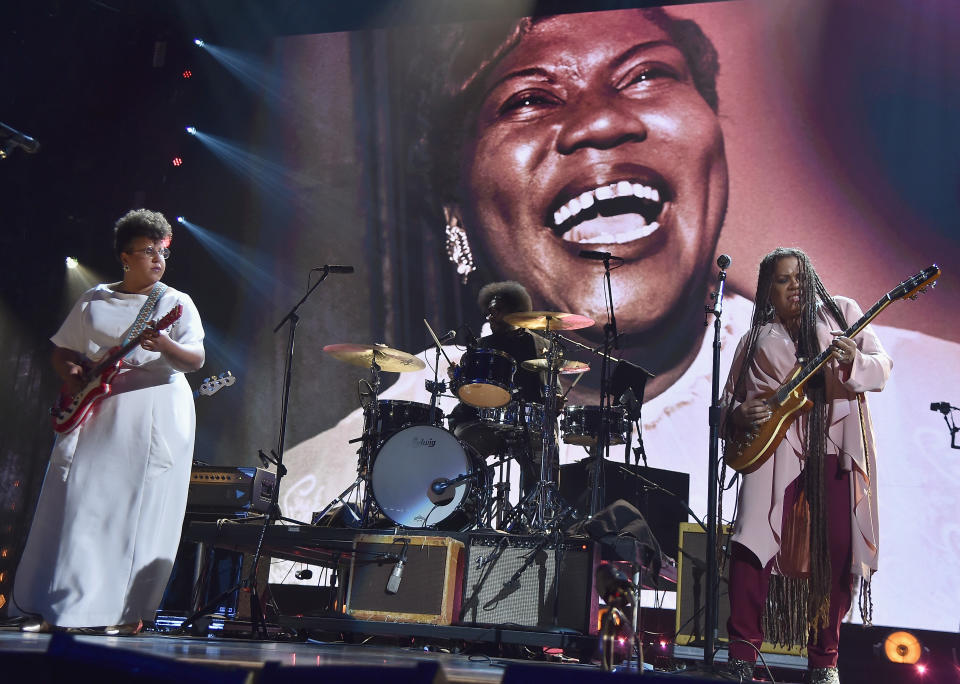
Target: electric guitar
214, 384
750, 449
70, 410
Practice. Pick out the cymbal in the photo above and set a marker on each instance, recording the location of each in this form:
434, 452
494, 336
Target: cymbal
565, 367
542, 320
389, 359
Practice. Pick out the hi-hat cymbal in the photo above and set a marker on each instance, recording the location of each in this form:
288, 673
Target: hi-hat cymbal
389, 359
544, 320
564, 367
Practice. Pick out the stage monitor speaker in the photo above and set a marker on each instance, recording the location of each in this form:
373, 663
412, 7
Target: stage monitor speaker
692, 591
663, 511
428, 591
531, 582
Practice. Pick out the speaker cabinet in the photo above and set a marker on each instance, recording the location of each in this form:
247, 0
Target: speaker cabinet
692, 590
663, 510
429, 588
531, 582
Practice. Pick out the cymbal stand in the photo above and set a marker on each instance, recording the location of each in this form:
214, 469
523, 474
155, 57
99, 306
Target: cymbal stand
368, 443
550, 509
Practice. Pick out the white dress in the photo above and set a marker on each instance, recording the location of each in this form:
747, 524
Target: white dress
108, 521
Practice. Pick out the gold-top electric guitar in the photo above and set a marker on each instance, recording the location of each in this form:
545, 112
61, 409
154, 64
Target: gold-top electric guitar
748, 450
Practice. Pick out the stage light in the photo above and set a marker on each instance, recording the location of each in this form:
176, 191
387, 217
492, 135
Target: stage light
187, 73
72, 262
191, 130
902, 647
176, 161
180, 219
921, 670
198, 42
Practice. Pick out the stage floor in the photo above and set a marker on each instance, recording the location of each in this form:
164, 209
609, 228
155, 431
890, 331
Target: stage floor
474, 664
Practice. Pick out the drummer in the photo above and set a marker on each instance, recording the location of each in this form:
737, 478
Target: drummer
497, 300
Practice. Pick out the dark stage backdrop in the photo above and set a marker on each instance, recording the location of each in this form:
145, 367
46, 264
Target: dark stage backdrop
838, 135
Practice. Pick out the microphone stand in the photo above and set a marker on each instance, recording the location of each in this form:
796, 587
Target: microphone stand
258, 623
712, 570
602, 450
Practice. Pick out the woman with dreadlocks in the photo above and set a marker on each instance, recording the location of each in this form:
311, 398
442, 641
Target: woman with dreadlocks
807, 518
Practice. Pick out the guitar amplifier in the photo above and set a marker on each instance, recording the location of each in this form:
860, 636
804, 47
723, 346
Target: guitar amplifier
428, 591
531, 581
230, 489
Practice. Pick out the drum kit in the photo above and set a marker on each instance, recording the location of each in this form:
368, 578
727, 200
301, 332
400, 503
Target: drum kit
415, 473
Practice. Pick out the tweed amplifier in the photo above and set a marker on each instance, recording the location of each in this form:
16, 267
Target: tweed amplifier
405, 578
230, 489
531, 581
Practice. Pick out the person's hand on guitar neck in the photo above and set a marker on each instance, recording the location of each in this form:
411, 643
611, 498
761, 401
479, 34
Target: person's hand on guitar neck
844, 350
752, 413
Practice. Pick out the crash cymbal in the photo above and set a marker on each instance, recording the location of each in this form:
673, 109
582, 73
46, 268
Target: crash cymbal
565, 367
552, 320
389, 359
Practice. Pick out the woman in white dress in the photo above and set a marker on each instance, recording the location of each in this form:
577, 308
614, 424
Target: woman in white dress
108, 521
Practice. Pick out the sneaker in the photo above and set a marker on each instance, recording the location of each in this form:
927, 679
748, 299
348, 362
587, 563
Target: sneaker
823, 675
740, 670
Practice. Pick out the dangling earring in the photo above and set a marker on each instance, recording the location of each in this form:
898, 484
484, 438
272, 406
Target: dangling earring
458, 249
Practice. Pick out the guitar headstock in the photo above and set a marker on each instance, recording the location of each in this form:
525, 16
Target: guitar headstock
917, 285
169, 319
214, 384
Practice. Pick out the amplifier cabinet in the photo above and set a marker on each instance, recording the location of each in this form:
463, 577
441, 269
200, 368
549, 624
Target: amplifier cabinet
429, 588
230, 489
531, 581
692, 591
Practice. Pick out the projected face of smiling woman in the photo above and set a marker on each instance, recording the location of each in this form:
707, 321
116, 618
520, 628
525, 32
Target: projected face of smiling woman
592, 135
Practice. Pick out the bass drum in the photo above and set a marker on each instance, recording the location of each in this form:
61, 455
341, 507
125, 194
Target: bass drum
411, 462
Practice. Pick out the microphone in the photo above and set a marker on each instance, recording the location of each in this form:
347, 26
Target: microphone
943, 407
18, 139
441, 484
447, 336
598, 256
723, 261
393, 582
613, 585
330, 268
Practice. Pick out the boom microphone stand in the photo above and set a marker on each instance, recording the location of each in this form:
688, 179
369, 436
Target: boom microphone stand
258, 624
713, 578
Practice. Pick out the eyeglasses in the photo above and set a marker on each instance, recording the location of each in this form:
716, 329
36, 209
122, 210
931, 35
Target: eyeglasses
150, 252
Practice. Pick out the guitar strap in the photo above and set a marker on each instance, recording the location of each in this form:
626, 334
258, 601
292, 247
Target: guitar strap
145, 311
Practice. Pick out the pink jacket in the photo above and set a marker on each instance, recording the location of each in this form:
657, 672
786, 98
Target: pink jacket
760, 505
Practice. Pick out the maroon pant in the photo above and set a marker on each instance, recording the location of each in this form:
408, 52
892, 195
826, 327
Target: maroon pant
749, 581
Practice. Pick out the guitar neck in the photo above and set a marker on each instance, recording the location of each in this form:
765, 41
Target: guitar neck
112, 358
817, 362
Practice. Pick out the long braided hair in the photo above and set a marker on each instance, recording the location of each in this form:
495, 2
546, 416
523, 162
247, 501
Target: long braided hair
795, 605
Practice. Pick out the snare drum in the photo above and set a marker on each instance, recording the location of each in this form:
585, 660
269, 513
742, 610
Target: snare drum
581, 425
495, 425
396, 415
409, 465
485, 378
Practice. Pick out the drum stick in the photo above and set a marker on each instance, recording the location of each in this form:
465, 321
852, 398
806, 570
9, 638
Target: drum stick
437, 340
572, 385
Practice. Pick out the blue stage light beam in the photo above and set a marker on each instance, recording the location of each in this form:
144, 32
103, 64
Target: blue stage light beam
249, 70
250, 269
274, 179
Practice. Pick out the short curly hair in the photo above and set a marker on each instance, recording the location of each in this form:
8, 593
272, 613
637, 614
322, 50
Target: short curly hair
512, 295
140, 223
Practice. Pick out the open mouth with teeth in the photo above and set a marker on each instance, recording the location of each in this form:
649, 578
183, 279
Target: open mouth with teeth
612, 214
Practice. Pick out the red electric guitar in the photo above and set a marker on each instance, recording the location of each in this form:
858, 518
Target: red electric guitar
70, 410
